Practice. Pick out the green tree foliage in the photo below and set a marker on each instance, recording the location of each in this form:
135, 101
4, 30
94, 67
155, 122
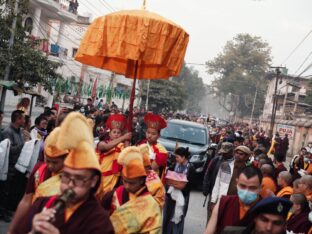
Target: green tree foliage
164, 95
193, 87
239, 70
28, 65
178, 93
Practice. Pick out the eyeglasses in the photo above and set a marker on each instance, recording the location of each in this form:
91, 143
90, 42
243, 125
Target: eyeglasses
79, 182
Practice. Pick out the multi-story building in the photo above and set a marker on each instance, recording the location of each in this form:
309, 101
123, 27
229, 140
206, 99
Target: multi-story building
291, 93
60, 29
293, 114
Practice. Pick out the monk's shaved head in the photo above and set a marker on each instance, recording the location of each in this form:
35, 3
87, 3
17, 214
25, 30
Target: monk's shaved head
286, 176
301, 200
267, 170
307, 180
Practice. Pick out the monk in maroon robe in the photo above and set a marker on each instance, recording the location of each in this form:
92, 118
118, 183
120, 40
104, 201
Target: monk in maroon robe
82, 176
90, 217
231, 210
299, 222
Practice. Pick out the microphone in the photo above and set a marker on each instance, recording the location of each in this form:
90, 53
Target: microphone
61, 202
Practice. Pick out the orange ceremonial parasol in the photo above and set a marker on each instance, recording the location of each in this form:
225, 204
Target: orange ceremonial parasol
135, 43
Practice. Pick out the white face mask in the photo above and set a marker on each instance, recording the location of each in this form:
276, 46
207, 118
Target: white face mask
310, 216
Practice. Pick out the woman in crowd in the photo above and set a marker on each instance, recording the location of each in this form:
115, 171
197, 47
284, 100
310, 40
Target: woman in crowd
173, 223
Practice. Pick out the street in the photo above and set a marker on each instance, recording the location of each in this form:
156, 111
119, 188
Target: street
196, 215
195, 219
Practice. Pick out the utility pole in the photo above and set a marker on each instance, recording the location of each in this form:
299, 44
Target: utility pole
111, 85
253, 106
273, 115
147, 93
8, 66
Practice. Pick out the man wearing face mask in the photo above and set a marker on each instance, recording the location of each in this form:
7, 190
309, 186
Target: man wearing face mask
230, 210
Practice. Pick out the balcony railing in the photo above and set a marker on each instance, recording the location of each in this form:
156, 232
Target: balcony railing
69, 5
61, 5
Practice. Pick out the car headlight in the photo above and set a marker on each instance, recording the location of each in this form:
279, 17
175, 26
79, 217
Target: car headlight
195, 158
198, 158
200, 169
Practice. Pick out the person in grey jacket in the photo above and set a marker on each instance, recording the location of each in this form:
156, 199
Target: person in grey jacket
15, 185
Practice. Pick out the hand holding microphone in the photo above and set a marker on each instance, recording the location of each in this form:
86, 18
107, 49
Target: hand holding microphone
42, 222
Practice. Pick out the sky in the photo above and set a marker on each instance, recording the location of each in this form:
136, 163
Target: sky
211, 23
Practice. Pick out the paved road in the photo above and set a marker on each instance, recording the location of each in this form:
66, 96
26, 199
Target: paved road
195, 219
196, 216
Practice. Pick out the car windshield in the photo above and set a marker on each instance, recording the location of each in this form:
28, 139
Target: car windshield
185, 133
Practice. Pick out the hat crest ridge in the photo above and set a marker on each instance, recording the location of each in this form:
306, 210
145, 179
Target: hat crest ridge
75, 129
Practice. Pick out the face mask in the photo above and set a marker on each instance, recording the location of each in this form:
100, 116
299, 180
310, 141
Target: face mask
310, 216
247, 197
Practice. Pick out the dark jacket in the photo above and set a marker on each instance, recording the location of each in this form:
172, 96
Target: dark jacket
211, 174
17, 142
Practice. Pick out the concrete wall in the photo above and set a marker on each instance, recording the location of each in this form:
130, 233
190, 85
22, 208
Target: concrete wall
302, 134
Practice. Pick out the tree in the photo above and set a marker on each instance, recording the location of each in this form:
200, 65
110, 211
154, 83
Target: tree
164, 95
28, 64
239, 70
193, 87
179, 93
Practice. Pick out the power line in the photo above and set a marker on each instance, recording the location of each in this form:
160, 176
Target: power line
41, 30
198, 64
306, 69
87, 6
294, 50
303, 62
107, 6
64, 62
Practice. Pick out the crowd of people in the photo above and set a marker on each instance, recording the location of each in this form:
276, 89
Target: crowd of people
117, 172
249, 183
87, 170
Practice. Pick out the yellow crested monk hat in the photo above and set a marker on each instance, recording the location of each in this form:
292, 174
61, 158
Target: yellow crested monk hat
76, 136
50, 148
145, 152
131, 159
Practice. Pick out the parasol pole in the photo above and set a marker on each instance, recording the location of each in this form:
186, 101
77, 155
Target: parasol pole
130, 117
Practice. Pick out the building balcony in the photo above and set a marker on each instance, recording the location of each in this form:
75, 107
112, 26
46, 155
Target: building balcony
63, 10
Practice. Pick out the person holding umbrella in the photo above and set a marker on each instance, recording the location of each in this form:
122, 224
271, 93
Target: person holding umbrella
109, 150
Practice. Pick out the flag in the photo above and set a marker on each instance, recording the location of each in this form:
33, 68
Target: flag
93, 94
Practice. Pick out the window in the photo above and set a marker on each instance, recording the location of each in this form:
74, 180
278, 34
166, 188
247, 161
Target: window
185, 133
74, 52
28, 25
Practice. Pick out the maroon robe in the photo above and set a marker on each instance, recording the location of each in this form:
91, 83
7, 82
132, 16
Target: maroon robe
228, 214
89, 218
31, 184
299, 223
